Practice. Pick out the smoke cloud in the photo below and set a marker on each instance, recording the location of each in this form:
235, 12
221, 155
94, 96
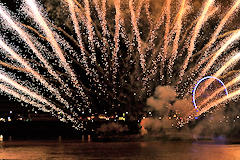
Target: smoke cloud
165, 104
165, 99
221, 122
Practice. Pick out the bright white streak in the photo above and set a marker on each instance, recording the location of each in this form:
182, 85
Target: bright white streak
71, 6
229, 84
229, 63
26, 38
217, 102
222, 23
195, 33
90, 30
25, 90
14, 55
103, 23
167, 29
178, 29
50, 35
137, 34
233, 38
23, 98
166, 37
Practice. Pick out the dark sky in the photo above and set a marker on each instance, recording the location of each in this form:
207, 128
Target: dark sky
11, 4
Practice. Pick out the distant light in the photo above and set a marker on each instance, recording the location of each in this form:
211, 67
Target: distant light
122, 119
102, 116
11, 112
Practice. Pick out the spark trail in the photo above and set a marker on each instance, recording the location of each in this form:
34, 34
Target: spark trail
195, 33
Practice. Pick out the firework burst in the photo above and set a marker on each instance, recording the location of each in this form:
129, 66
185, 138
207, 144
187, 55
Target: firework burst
115, 53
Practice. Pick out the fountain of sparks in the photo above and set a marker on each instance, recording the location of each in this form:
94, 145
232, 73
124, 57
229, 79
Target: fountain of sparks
116, 53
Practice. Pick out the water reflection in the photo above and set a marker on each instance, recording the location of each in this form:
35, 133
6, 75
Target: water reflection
118, 150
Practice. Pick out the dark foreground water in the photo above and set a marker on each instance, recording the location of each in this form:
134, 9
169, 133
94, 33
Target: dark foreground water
118, 150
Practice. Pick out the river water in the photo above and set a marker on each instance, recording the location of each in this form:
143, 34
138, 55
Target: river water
118, 150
